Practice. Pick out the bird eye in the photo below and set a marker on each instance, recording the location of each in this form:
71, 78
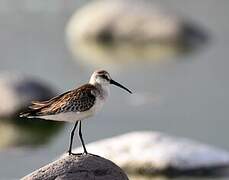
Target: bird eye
104, 76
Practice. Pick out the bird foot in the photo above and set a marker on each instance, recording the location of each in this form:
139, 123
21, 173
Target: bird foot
74, 154
77, 154
84, 153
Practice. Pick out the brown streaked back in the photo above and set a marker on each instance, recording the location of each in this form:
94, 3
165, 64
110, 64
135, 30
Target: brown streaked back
77, 100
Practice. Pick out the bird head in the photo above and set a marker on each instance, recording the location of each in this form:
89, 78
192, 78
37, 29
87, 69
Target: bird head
103, 78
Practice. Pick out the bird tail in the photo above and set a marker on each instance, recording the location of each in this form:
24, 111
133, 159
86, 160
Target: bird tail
24, 114
30, 113
35, 109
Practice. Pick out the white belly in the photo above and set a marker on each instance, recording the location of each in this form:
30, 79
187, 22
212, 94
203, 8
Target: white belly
68, 116
98, 105
76, 116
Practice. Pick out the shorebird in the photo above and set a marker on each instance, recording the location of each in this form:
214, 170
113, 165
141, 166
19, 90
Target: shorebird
75, 105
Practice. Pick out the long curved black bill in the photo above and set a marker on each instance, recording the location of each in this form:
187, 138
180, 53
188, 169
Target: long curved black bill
119, 85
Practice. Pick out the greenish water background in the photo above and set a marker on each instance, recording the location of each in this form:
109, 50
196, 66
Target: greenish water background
192, 90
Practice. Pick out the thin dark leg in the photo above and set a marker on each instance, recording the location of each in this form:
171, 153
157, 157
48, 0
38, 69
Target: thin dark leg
81, 138
72, 136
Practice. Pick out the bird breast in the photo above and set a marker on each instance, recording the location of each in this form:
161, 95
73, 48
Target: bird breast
101, 98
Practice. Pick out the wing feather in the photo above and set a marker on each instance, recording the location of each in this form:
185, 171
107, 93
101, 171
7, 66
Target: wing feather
78, 100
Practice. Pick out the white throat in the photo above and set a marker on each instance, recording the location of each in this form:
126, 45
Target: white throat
103, 90
101, 94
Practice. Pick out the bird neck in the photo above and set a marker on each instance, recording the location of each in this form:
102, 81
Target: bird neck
103, 89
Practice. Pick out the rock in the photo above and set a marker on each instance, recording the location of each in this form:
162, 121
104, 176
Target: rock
156, 153
130, 20
110, 34
16, 93
18, 90
78, 167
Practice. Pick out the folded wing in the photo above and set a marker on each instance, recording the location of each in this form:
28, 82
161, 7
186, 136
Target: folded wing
77, 100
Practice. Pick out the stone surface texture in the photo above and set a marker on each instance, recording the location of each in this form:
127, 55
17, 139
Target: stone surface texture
78, 167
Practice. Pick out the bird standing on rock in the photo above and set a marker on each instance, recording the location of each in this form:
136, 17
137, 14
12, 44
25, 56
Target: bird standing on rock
75, 105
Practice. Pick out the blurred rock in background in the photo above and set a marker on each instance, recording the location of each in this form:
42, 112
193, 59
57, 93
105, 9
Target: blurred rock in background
142, 177
155, 153
18, 90
123, 30
16, 93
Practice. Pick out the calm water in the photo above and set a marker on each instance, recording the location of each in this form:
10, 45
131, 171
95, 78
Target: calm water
191, 91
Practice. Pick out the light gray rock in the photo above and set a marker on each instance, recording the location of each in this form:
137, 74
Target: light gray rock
129, 20
76, 167
158, 153
115, 33
18, 90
